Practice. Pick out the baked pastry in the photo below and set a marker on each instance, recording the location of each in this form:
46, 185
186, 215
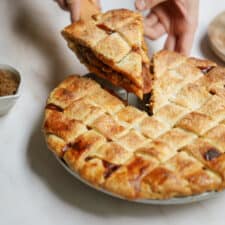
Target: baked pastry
181, 72
178, 151
112, 46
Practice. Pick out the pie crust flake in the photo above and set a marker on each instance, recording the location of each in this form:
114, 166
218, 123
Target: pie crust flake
176, 152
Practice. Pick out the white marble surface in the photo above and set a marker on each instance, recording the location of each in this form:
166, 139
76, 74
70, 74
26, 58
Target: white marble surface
34, 188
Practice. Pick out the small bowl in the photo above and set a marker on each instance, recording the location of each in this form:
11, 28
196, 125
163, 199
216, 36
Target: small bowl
8, 101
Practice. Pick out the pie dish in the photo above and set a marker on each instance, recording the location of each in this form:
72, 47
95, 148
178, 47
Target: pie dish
112, 46
178, 151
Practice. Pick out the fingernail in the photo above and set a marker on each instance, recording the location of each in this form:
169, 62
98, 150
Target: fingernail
141, 4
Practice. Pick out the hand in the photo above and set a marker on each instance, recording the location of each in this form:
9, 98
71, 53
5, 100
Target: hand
73, 6
177, 18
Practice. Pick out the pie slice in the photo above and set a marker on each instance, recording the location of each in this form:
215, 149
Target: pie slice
112, 46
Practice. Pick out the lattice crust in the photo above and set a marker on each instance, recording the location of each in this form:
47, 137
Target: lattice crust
185, 77
112, 46
179, 151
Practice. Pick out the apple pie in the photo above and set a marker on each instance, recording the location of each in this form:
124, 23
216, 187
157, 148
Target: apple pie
178, 151
112, 46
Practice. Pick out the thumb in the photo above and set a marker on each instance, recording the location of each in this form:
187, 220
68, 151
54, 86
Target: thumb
74, 8
184, 43
147, 4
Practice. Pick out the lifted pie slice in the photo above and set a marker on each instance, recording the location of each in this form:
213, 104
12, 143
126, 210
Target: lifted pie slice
112, 46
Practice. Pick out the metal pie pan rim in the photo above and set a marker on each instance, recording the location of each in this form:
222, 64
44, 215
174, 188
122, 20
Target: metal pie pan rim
171, 201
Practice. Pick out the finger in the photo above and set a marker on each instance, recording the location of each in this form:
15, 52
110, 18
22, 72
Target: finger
147, 4
151, 19
153, 3
162, 16
154, 32
62, 4
97, 3
74, 7
170, 42
184, 43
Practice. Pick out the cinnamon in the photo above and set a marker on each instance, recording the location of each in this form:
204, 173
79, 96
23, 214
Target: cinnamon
8, 83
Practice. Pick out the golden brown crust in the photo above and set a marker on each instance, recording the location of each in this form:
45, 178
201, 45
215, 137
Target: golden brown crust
126, 181
200, 179
133, 32
178, 71
192, 96
132, 140
179, 151
164, 60
55, 144
152, 128
67, 129
115, 19
196, 122
108, 126
164, 180
170, 114
209, 155
202, 64
82, 146
71, 89
130, 115
157, 149
84, 32
108, 53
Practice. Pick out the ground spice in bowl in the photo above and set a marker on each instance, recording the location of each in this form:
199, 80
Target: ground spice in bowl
8, 83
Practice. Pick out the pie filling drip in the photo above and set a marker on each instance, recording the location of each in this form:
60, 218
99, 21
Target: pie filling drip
211, 154
110, 168
205, 70
54, 107
105, 28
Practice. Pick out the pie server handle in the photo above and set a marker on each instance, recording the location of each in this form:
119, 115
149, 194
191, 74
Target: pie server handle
88, 8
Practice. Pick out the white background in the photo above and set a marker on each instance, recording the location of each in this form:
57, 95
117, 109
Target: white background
34, 188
